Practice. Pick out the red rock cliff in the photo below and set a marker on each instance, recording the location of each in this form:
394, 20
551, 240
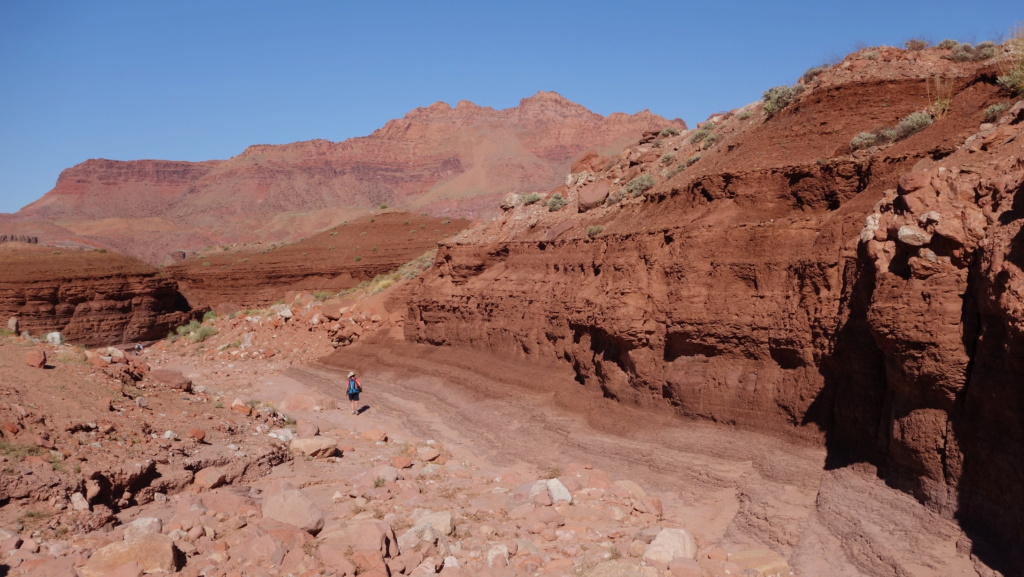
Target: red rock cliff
772, 279
444, 160
91, 297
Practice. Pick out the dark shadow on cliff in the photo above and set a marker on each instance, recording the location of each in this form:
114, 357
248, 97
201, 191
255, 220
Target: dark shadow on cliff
849, 407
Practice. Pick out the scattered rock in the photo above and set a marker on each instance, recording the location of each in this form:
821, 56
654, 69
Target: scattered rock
315, 446
208, 478
36, 358
154, 553
294, 508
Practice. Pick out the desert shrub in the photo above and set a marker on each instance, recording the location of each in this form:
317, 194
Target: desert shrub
668, 158
669, 131
779, 97
867, 140
556, 202
984, 50
702, 132
947, 44
186, 329
1013, 77
531, 198
18, 451
692, 159
201, 334
358, 258
914, 122
812, 73
322, 295
206, 264
639, 185
209, 315
871, 55
593, 231
992, 113
615, 197
383, 207
915, 44
962, 53
710, 141
745, 114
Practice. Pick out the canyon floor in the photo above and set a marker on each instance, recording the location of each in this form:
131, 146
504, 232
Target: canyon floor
441, 431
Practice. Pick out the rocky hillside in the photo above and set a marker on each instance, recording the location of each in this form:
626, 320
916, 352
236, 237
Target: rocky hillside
443, 160
91, 297
837, 262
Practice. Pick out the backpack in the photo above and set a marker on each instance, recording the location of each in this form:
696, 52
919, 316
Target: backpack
353, 386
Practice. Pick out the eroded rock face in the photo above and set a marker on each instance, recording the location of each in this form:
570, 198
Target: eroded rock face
873, 296
91, 297
153, 208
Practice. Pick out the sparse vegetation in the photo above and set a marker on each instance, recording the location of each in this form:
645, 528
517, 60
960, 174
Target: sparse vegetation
779, 97
745, 114
556, 202
669, 131
947, 43
992, 113
531, 198
322, 295
812, 73
710, 141
358, 258
871, 55
915, 44
668, 158
209, 315
967, 52
702, 132
383, 207
911, 124
18, 451
202, 334
593, 231
639, 185
1012, 78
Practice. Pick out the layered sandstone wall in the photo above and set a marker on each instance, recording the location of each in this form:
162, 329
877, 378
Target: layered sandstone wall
872, 295
92, 298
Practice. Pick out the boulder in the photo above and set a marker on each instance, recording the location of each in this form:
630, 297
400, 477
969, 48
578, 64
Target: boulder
172, 379
671, 544
306, 428
593, 195
54, 338
208, 478
294, 508
13, 325
141, 527
283, 311
558, 491
36, 358
314, 446
765, 562
154, 553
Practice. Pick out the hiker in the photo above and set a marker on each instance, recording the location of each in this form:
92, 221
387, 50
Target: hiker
138, 348
354, 388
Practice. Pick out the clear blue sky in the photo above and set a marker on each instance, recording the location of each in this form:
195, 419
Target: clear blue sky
197, 80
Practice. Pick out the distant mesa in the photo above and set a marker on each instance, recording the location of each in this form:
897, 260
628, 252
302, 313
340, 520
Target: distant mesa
438, 160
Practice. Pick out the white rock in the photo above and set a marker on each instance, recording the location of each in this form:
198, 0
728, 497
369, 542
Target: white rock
142, 526
497, 556
54, 338
669, 544
558, 491
79, 502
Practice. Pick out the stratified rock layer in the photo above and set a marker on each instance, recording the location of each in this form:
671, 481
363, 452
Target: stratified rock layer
90, 297
452, 161
780, 281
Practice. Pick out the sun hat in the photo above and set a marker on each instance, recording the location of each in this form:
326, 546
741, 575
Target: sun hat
351, 374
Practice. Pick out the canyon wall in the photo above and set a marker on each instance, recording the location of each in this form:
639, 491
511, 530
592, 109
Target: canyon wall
439, 159
779, 282
91, 297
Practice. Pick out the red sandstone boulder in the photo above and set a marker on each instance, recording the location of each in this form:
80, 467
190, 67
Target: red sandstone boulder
593, 195
36, 358
171, 378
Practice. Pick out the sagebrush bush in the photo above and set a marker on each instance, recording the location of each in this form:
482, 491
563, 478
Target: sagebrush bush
812, 73
867, 140
947, 43
209, 315
639, 185
668, 158
556, 202
201, 334
702, 132
779, 97
915, 44
710, 141
914, 122
992, 113
1013, 79
593, 231
669, 131
531, 198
